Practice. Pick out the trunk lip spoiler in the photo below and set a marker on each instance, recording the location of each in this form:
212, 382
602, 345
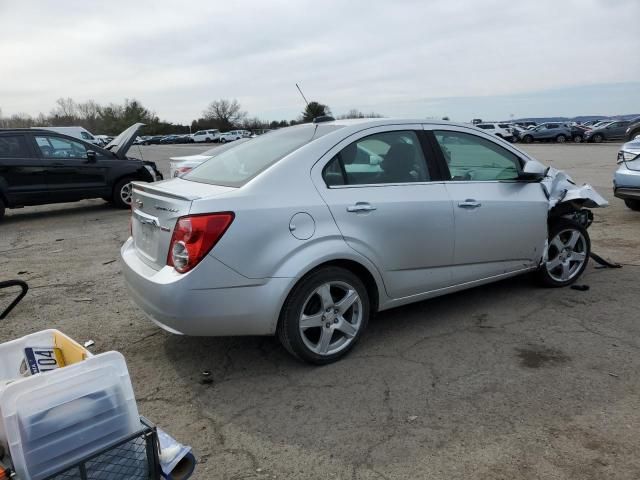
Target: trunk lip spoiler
147, 187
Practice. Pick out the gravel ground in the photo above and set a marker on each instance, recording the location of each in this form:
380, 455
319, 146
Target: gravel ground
500, 382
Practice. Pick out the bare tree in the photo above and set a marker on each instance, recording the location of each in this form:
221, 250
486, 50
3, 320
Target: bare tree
355, 113
224, 114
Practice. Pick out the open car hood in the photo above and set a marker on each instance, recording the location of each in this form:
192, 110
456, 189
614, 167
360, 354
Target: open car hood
121, 144
560, 188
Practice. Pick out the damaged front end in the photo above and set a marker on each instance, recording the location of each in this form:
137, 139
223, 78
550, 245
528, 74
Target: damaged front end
567, 199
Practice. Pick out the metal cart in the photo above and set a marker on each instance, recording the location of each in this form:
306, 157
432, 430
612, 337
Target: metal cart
134, 456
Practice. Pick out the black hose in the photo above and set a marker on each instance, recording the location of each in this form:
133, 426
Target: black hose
604, 263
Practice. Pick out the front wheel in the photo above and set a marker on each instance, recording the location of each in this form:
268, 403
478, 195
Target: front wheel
577, 138
527, 139
122, 193
597, 138
324, 315
631, 203
567, 254
561, 139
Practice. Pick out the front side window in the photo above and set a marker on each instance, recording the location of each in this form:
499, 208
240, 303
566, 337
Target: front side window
12, 146
57, 147
382, 158
472, 158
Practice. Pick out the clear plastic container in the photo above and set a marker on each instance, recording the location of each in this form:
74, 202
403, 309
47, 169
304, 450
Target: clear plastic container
54, 419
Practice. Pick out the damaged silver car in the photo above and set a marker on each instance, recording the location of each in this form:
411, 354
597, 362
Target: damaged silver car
306, 232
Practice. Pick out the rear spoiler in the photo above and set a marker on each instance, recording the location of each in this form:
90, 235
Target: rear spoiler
154, 190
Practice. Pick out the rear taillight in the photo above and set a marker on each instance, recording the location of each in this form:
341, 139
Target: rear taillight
181, 171
194, 237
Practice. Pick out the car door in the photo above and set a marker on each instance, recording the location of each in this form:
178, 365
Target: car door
500, 221
616, 130
71, 175
391, 206
22, 174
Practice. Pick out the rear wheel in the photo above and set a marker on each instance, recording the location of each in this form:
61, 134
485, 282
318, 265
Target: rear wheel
527, 139
223, 140
561, 139
598, 138
631, 203
122, 193
567, 254
577, 139
324, 315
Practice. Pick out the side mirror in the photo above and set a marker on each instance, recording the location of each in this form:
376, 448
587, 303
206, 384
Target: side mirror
533, 171
91, 156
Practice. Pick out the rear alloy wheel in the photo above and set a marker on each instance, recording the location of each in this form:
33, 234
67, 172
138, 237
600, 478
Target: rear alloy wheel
561, 139
324, 316
567, 254
597, 138
122, 193
631, 203
527, 139
577, 139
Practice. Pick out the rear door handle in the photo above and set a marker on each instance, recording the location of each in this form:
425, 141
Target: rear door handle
469, 203
361, 207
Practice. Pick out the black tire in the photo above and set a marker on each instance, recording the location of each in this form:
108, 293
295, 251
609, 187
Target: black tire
208, 140
597, 138
2, 209
223, 140
527, 139
561, 139
563, 229
302, 296
631, 203
578, 138
118, 198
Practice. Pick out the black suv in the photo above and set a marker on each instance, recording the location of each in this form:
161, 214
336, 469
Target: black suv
40, 166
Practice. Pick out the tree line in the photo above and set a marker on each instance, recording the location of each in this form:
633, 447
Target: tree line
113, 118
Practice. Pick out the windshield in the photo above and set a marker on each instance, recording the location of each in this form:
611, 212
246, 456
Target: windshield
241, 163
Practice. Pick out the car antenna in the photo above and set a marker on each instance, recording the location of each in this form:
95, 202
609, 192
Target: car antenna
303, 97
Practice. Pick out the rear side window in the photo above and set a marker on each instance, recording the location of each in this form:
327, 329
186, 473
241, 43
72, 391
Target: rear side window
382, 158
485, 127
12, 146
244, 161
472, 158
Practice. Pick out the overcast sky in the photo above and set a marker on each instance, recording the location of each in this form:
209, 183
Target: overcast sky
421, 58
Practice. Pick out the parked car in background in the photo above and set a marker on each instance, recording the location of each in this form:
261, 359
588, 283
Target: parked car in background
233, 135
153, 140
577, 132
40, 166
375, 214
208, 136
626, 181
501, 130
633, 130
615, 130
76, 132
552, 131
181, 165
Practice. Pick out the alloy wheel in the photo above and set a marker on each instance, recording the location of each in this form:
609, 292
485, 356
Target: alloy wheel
566, 254
331, 318
125, 193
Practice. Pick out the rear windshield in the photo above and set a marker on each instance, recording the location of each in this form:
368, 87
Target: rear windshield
244, 161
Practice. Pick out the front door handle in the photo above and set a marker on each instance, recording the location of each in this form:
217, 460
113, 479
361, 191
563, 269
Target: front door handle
361, 207
469, 203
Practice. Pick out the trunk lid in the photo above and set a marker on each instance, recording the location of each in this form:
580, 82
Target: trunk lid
156, 207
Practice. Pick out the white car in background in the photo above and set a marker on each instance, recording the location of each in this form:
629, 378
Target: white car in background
626, 181
180, 165
234, 135
501, 130
207, 136
76, 132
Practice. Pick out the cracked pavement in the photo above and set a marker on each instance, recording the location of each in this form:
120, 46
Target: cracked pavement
499, 382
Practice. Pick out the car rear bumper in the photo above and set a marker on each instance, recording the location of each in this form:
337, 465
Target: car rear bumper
626, 183
210, 300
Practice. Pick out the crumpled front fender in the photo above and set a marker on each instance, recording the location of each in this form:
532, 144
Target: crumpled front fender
560, 188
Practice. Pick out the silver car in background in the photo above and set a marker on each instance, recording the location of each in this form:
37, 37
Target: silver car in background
307, 231
626, 181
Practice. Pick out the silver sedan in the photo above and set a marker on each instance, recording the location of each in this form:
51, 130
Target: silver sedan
307, 231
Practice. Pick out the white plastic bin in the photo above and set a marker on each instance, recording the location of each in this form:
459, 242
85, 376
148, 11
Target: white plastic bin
54, 419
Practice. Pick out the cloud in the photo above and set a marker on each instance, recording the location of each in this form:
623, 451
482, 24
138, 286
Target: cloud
385, 56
